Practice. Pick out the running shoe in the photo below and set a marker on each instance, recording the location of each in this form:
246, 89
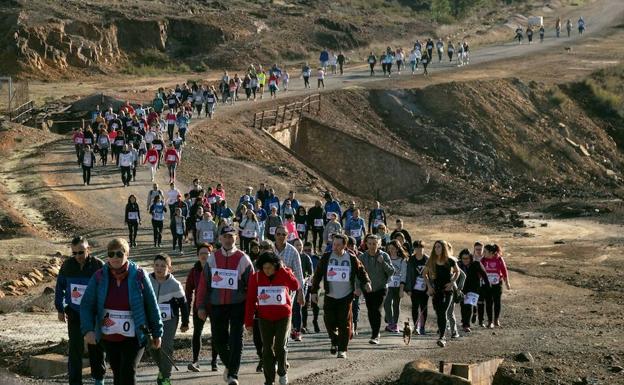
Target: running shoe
333, 349
467, 329
283, 380
374, 341
341, 355
497, 323
490, 325
232, 381
193, 367
441, 342
259, 368
297, 337
214, 366
455, 335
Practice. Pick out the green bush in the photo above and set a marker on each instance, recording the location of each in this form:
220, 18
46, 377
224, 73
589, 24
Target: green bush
555, 96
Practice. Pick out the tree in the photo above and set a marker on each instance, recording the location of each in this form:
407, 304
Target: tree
440, 9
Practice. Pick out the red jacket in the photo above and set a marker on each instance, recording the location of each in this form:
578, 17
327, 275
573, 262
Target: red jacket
172, 152
270, 297
151, 154
495, 268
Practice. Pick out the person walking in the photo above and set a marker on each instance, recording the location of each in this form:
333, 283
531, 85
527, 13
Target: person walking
71, 284
268, 299
119, 307
338, 271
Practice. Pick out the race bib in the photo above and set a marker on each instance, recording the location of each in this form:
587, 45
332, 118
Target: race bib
224, 279
318, 223
395, 281
208, 236
77, 292
158, 147
301, 227
494, 278
378, 222
119, 143
159, 216
78, 140
87, 141
272, 230
338, 273
249, 234
271, 295
151, 159
165, 311
471, 299
171, 158
356, 233
420, 284
118, 322
133, 215
171, 122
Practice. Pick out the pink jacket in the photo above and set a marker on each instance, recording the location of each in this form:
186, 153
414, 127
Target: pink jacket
493, 266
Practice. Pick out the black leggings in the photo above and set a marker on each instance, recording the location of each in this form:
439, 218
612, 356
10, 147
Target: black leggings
466, 313
198, 327
441, 302
86, 174
124, 357
304, 311
420, 299
177, 240
374, 303
126, 175
372, 68
317, 234
158, 228
104, 155
170, 128
306, 82
493, 301
133, 228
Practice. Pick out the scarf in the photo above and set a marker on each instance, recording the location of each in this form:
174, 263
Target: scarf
119, 274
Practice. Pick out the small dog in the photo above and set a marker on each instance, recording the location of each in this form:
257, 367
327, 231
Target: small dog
407, 333
568, 49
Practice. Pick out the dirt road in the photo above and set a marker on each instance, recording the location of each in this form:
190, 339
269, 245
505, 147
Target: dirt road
567, 328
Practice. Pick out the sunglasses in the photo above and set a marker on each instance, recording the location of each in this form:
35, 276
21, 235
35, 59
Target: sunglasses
280, 234
81, 252
116, 254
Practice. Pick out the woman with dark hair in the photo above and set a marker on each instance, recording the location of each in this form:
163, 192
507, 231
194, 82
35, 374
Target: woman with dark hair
132, 219
416, 286
496, 270
396, 285
441, 272
268, 298
192, 283
301, 221
475, 273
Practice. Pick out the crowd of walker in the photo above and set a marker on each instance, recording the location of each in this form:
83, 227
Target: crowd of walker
520, 32
272, 279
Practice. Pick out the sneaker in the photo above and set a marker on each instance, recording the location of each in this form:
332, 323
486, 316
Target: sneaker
333, 349
374, 341
341, 355
166, 381
214, 366
297, 337
482, 324
395, 328
388, 328
293, 334
416, 331
193, 367
232, 381
316, 327
490, 325
467, 329
259, 368
455, 334
304, 330
441, 342
422, 331
283, 380
497, 323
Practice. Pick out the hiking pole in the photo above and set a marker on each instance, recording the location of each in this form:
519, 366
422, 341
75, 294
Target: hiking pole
146, 331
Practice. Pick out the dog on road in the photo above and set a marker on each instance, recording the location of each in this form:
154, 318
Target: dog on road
407, 333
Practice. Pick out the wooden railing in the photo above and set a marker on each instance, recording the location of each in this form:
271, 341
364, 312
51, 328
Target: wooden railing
22, 113
266, 119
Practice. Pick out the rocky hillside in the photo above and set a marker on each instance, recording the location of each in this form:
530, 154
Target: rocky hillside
53, 38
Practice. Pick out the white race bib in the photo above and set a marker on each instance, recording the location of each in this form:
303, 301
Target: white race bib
224, 279
119, 143
395, 281
171, 158
118, 322
77, 292
158, 147
494, 278
133, 215
249, 234
471, 299
378, 222
114, 126
165, 311
318, 223
338, 273
420, 284
208, 236
159, 216
78, 140
356, 233
272, 230
152, 159
271, 295
301, 227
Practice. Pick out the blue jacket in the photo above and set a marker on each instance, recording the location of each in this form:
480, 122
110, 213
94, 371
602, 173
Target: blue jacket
143, 303
333, 207
272, 200
71, 275
355, 224
261, 214
324, 56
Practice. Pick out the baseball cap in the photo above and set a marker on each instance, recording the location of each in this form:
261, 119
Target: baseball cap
228, 230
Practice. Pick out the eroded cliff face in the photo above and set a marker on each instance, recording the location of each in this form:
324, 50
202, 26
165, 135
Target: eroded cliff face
57, 47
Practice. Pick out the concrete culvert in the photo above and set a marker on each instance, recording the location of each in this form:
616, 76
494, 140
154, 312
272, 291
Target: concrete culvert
90, 102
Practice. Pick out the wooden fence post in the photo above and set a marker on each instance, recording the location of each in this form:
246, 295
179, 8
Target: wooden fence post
262, 121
